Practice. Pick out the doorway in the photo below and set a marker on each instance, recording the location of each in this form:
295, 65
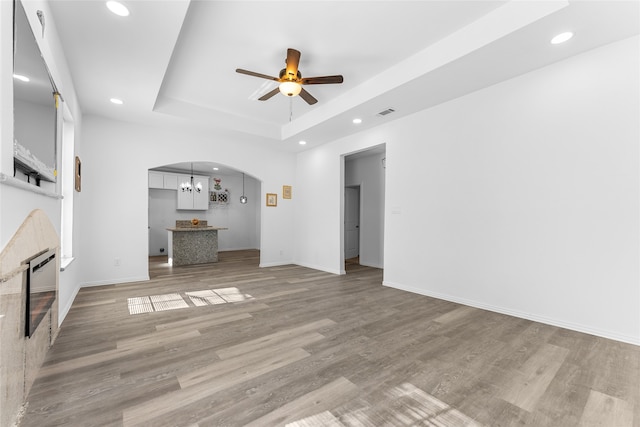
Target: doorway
362, 237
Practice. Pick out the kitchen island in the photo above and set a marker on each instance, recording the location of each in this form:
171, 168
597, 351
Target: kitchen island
193, 244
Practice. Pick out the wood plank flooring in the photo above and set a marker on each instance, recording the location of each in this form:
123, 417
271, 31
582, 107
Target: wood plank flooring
231, 344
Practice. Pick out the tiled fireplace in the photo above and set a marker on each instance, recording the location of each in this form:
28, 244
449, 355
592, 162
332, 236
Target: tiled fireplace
23, 349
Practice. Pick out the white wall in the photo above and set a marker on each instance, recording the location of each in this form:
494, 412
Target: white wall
242, 220
368, 173
528, 199
116, 159
15, 203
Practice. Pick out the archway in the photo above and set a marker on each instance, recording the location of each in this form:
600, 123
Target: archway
222, 207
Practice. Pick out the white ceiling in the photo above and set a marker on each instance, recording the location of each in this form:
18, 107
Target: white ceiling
174, 61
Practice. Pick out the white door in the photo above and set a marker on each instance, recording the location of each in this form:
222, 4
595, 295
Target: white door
351, 222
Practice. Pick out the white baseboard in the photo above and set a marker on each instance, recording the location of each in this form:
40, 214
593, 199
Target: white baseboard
320, 268
238, 249
371, 265
116, 281
523, 315
62, 313
274, 264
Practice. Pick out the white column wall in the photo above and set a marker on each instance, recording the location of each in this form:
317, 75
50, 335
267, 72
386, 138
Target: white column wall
319, 196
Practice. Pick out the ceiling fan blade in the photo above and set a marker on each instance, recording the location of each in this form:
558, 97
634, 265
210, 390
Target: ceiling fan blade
293, 59
251, 73
307, 97
323, 80
269, 94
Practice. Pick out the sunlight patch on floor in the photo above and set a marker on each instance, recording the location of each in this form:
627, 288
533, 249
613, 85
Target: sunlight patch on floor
206, 297
174, 301
168, 302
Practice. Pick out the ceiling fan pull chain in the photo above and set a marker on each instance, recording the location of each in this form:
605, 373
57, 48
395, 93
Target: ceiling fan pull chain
290, 109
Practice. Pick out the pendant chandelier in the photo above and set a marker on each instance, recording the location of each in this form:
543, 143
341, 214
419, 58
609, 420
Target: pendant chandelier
189, 185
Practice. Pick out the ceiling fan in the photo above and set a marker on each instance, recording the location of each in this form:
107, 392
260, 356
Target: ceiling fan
291, 80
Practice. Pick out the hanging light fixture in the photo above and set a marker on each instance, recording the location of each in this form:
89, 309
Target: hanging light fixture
290, 88
243, 198
188, 186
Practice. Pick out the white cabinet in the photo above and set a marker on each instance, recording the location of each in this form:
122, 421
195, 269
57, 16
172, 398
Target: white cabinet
156, 179
197, 196
170, 181
163, 180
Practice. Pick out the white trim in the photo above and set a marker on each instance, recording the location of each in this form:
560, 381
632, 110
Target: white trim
14, 182
115, 282
316, 267
381, 267
515, 313
65, 310
65, 262
274, 264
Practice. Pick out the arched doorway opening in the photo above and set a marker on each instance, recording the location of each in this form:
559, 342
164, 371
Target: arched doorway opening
218, 189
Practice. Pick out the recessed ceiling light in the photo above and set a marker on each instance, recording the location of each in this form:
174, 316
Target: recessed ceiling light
21, 77
116, 101
562, 37
357, 121
302, 142
215, 169
118, 8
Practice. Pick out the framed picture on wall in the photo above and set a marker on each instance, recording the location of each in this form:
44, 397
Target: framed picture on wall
272, 199
286, 191
78, 175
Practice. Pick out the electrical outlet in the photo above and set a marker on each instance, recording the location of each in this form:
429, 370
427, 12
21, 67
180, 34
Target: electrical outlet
281, 253
116, 262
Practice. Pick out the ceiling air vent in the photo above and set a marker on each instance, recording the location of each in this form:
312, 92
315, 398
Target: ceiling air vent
385, 112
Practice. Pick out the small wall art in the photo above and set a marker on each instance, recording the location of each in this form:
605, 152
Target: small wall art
286, 191
272, 199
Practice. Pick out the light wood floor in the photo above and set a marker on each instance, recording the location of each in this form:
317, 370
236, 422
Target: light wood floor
231, 344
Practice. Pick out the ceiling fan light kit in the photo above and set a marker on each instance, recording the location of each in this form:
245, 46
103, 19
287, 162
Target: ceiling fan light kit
291, 80
290, 88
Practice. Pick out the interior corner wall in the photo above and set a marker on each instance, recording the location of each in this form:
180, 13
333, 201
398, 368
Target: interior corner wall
115, 163
528, 200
